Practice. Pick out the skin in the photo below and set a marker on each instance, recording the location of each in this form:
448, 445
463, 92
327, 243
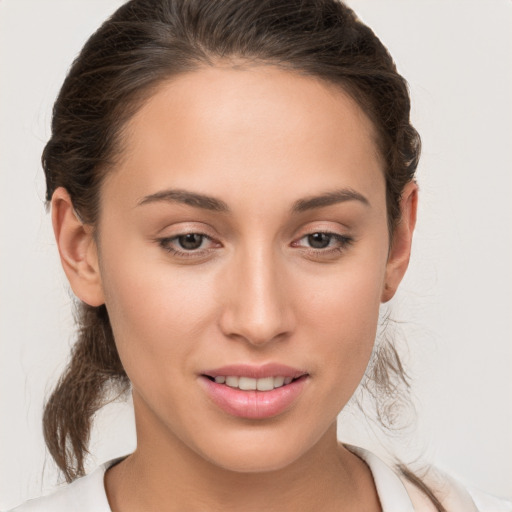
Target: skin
259, 139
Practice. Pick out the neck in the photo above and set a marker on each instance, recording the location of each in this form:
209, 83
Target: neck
165, 474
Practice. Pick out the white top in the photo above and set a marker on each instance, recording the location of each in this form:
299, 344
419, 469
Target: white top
395, 493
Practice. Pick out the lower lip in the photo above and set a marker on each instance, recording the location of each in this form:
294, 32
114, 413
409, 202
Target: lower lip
255, 405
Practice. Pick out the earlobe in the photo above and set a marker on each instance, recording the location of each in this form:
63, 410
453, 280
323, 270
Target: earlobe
400, 251
77, 250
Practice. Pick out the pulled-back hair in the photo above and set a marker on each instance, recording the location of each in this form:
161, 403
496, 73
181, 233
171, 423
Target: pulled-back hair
146, 42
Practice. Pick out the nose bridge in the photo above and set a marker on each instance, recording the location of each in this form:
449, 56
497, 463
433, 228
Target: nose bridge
258, 308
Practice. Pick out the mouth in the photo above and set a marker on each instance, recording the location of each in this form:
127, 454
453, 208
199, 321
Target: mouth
251, 383
254, 392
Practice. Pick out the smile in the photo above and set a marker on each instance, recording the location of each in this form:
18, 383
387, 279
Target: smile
254, 392
250, 383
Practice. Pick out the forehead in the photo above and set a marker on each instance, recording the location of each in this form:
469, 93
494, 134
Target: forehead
246, 128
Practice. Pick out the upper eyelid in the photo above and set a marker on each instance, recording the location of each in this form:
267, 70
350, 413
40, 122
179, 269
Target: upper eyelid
184, 228
330, 226
324, 230
227, 231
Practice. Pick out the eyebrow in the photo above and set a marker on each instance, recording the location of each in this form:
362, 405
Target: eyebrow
328, 199
213, 204
188, 198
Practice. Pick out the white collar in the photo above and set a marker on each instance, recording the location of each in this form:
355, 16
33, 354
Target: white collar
392, 493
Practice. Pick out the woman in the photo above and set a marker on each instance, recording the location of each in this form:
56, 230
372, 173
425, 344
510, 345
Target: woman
233, 196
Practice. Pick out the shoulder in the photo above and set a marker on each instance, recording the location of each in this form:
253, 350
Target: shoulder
453, 495
399, 493
88, 491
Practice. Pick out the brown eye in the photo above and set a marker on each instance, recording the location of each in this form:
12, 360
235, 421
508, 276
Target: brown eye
190, 241
319, 240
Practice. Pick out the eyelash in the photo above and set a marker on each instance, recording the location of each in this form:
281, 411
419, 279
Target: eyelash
343, 243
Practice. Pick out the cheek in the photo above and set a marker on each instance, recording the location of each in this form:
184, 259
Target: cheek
154, 312
343, 318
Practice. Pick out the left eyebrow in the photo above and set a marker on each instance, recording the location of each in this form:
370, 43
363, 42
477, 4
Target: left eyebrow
328, 199
185, 197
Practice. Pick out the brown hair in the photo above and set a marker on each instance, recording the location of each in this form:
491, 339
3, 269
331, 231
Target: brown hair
148, 41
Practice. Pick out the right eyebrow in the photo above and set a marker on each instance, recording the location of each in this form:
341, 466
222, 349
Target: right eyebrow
328, 199
185, 197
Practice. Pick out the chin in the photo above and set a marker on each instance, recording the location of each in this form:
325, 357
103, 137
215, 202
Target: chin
256, 452
250, 461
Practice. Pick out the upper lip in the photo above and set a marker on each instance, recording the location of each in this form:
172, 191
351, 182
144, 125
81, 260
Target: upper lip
256, 371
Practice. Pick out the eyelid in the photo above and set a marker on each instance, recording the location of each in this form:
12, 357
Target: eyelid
184, 227
333, 228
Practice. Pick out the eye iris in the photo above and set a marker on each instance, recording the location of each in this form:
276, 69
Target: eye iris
190, 241
319, 240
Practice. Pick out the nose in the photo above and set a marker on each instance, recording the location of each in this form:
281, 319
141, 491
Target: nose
258, 305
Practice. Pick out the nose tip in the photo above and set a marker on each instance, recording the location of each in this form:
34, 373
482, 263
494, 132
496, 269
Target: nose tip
254, 327
258, 308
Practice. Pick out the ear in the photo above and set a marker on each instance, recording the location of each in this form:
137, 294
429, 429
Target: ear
77, 250
400, 250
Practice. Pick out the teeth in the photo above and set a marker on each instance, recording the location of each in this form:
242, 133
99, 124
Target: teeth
232, 382
248, 383
279, 381
267, 384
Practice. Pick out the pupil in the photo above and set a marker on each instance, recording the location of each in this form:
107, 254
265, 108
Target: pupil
191, 241
319, 240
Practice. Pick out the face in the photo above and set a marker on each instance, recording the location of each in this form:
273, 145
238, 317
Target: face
243, 243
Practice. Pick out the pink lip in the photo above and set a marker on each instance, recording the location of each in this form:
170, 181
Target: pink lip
254, 404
